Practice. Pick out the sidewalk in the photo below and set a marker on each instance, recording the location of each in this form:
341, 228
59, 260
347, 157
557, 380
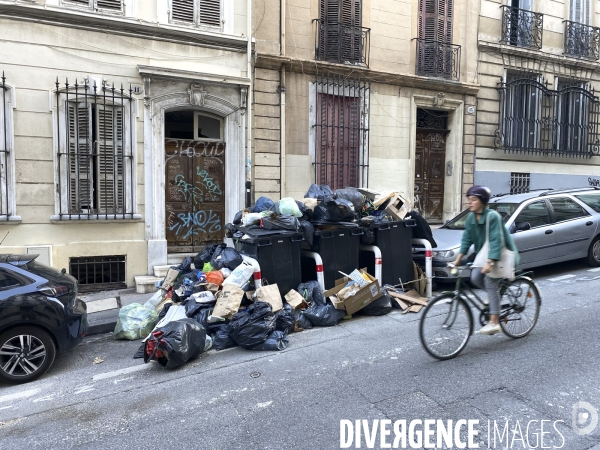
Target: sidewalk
103, 307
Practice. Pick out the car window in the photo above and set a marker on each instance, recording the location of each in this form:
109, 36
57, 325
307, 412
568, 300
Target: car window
535, 214
9, 280
566, 209
42, 270
505, 209
592, 200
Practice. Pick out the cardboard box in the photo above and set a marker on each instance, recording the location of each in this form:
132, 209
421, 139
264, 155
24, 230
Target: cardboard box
398, 207
358, 301
369, 193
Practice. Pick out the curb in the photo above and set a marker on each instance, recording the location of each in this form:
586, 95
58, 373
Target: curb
101, 327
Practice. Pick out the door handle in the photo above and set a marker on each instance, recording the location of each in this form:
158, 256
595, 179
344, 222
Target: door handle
549, 231
589, 223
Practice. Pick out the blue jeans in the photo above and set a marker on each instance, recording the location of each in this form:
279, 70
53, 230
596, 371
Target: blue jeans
482, 281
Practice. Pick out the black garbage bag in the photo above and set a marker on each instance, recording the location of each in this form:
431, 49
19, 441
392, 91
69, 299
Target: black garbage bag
368, 237
262, 204
320, 213
176, 343
185, 266
163, 312
302, 207
308, 231
277, 340
199, 312
205, 255
284, 319
380, 307
301, 321
284, 222
226, 257
222, 340
252, 326
422, 230
318, 191
139, 354
311, 291
324, 315
353, 195
340, 209
237, 219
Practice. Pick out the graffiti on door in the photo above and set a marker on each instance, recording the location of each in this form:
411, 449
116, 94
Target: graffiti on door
188, 224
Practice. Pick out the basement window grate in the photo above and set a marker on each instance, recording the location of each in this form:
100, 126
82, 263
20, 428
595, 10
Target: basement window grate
519, 183
98, 272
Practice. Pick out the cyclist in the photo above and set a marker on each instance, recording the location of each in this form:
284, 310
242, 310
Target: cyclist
475, 234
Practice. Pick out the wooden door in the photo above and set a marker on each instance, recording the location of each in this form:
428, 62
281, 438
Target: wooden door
194, 194
429, 173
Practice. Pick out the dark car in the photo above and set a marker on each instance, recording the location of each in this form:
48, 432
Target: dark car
40, 315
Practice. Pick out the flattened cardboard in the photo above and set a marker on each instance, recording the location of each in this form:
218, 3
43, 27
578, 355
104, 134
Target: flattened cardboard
413, 296
358, 301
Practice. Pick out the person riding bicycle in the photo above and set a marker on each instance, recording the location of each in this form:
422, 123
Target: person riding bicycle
475, 234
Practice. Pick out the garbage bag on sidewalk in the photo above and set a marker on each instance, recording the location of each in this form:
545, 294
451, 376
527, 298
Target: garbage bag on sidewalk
311, 291
227, 257
176, 343
205, 256
135, 322
222, 340
198, 311
284, 319
277, 340
301, 322
185, 266
379, 307
252, 326
318, 191
324, 315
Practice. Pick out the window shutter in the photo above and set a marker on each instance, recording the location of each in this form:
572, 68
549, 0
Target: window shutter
435, 20
210, 12
109, 161
329, 45
81, 2
80, 161
114, 5
182, 10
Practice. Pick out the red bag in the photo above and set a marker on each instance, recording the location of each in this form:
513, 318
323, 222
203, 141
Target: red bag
215, 277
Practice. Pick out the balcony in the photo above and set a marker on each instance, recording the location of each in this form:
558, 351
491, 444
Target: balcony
582, 41
438, 60
342, 44
521, 28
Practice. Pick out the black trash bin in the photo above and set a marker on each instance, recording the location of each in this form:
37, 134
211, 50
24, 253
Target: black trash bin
394, 239
338, 244
278, 256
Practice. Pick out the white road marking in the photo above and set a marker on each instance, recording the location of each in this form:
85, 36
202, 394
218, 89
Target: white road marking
84, 389
18, 395
122, 379
45, 399
597, 269
564, 277
5, 407
116, 373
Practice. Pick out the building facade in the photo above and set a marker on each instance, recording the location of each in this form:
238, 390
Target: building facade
366, 93
538, 109
123, 130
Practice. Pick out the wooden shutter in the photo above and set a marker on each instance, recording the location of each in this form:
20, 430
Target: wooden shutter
210, 12
81, 2
80, 158
435, 20
115, 5
109, 161
182, 10
329, 35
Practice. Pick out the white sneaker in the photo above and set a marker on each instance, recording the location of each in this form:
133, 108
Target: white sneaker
490, 329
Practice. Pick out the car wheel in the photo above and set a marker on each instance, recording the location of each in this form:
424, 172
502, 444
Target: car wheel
593, 258
25, 354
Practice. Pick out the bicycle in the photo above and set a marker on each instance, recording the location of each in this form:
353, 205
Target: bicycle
447, 322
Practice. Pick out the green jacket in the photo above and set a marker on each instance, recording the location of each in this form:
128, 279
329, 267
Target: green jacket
475, 235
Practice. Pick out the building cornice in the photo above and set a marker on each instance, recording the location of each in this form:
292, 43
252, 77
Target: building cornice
187, 75
119, 25
314, 67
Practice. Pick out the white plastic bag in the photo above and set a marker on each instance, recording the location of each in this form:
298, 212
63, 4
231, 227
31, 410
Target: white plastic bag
289, 206
204, 297
226, 272
154, 300
250, 218
240, 275
134, 322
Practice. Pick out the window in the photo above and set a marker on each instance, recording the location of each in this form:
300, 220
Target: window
522, 108
7, 199
592, 200
566, 209
97, 5
197, 12
579, 11
535, 214
521, 26
435, 20
9, 280
341, 131
519, 183
98, 272
572, 115
95, 157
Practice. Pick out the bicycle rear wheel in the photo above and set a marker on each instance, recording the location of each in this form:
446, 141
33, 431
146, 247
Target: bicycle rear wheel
521, 303
446, 325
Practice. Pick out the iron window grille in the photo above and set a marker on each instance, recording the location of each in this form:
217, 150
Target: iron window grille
97, 5
197, 12
5, 149
98, 272
342, 44
582, 41
539, 121
521, 27
519, 183
438, 60
434, 120
342, 131
95, 158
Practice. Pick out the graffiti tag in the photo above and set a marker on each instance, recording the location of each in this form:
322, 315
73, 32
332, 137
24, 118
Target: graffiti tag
209, 185
196, 149
594, 181
194, 223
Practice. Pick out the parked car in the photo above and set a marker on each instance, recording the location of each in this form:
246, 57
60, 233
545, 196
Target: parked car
40, 315
547, 226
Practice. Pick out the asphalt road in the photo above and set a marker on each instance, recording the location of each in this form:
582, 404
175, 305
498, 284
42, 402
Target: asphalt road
365, 369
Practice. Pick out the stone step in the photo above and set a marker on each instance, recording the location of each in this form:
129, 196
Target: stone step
161, 271
144, 284
175, 258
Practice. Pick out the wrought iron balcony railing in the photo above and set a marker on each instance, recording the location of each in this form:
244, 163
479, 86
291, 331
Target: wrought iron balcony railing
437, 59
582, 41
342, 44
521, 27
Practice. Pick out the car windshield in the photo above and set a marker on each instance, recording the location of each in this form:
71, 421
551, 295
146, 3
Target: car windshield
505, 209
592, 200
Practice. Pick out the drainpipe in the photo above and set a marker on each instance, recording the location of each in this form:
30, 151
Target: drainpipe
249, 104
282, 107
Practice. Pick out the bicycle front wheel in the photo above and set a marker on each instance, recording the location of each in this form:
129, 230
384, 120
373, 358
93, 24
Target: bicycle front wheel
520, 308
446, 325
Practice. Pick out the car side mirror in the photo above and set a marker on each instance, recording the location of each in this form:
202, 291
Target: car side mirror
522, 226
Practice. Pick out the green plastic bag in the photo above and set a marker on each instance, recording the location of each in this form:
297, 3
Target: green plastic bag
288, 206
135, 322
207, 268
